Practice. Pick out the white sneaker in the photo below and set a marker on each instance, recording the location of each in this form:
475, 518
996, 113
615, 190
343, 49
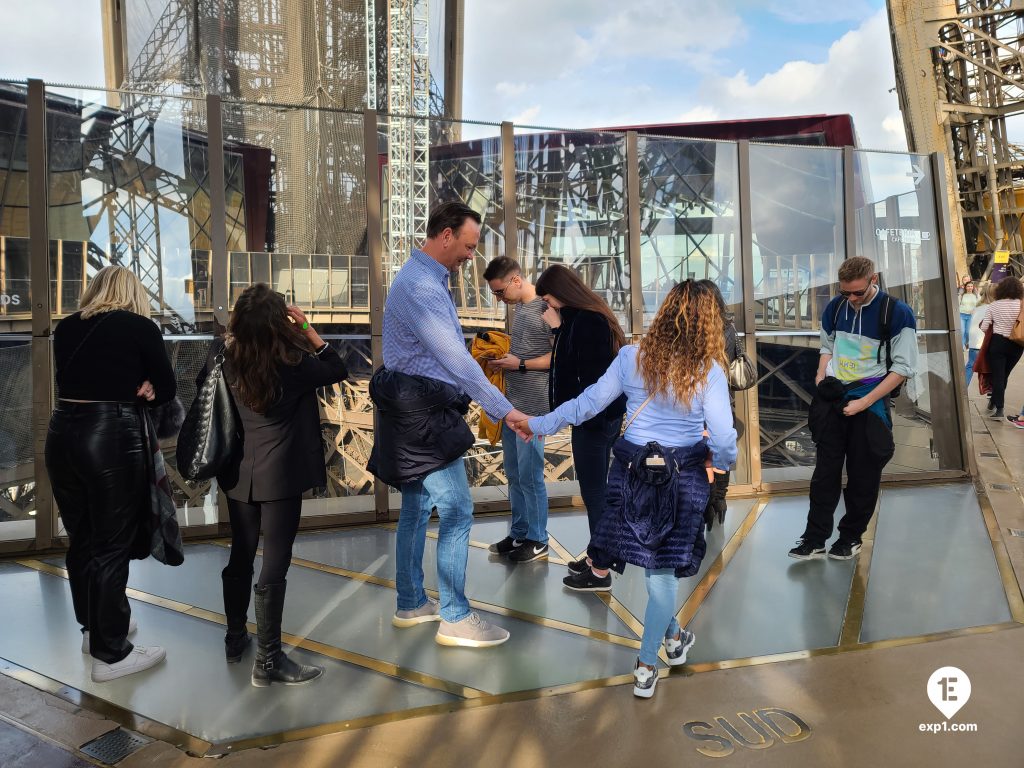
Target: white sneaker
677, 648
132, 629
139, 659
470, 632
644, 680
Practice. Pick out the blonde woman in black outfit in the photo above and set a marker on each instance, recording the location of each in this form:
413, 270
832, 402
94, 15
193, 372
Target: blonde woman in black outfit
110, 358
274, 361
586, 338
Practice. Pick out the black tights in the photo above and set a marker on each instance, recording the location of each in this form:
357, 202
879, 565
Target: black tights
280, 522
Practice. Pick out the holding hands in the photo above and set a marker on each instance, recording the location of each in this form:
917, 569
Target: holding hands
518, 422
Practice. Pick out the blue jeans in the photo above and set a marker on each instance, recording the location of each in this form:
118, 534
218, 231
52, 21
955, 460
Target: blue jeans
965, 322
447, 489
660, 617
524, 467
972, 355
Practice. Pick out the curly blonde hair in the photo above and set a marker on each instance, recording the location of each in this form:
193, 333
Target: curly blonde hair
685, 338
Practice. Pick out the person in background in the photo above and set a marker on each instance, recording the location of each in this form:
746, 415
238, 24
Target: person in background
109, 358
526, 387
676, 387
274, 361
968, 302
975, 336
1003, 354
587, 337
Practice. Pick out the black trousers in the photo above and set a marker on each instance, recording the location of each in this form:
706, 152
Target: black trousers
280, 523
1003, 355
591, 456
95, 459
864, 442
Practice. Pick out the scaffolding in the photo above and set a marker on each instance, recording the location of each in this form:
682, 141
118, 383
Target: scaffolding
959, 76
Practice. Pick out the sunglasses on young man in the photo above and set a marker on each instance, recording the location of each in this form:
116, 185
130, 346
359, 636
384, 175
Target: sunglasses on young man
858, 294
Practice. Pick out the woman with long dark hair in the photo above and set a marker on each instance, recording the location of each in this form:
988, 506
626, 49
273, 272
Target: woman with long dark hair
1003, 353
586, 338
676, 386
110, 358
274, 361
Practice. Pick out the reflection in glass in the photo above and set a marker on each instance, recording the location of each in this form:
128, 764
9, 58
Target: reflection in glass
797, 224
571, 195
689, 228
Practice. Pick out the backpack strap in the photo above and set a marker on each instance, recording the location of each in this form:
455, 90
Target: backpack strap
835, 317
885, 326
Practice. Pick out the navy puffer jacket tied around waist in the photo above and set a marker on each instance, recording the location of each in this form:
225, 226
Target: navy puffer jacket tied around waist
654, 514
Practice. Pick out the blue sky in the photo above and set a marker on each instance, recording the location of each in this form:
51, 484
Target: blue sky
587, 63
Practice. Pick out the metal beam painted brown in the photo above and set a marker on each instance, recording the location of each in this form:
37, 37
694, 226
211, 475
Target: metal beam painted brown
636, 294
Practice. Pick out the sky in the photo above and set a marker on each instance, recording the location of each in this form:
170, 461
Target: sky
599, 63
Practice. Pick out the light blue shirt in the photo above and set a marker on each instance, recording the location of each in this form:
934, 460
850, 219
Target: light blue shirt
663, 419
423, 335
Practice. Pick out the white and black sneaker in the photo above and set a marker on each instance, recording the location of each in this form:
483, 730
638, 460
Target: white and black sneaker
505, 546
676, 648
644, 680
844, 550
528, 552
806, 550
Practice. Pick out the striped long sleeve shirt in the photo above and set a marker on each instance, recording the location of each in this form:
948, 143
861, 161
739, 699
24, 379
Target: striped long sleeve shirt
1002, 316
423, 336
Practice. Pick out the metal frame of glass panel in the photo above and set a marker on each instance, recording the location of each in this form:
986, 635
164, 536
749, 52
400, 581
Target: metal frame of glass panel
213, 269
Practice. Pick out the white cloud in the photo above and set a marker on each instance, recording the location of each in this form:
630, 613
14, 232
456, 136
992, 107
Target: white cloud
59, 41
511, 90
527, 116
592, 65
855, 79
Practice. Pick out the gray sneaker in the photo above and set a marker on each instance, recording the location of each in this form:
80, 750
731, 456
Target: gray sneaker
471, 632
427, 612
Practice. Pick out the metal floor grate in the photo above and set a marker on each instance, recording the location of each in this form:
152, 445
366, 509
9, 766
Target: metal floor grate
1016, 532
113, 746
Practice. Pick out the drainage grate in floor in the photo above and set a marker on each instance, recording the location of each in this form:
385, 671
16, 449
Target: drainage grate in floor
988, 454
1000, 486
113, 746
1016, 532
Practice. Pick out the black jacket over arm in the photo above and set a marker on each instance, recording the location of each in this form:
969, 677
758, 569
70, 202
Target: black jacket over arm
282, 449
582, 354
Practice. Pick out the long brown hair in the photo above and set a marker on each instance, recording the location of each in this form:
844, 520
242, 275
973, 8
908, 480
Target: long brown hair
261, 336
685, 338
565, 285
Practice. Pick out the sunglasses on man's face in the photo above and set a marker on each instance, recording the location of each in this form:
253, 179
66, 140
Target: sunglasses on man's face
858, 294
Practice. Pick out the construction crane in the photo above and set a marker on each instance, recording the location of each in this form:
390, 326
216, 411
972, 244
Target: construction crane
959, 76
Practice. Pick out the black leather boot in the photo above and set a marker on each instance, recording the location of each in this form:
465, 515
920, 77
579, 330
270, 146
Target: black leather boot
271, 664
237, 590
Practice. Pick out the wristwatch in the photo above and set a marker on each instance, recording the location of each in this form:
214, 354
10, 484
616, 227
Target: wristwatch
522, 366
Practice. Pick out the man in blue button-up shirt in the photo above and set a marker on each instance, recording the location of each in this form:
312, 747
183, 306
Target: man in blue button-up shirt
423, 337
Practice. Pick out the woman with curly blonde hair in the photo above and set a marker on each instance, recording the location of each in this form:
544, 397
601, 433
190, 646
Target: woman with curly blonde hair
676, 387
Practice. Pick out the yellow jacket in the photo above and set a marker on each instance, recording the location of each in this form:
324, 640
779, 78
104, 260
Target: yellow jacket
490, 345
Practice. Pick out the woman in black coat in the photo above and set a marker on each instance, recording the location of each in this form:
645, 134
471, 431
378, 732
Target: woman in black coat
110, 358
587, 337
274, 362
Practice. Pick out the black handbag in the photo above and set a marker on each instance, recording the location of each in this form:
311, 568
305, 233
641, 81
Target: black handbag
209, 437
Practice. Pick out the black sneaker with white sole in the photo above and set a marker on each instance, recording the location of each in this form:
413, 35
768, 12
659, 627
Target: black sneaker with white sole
844, 550
676, 648
505, 546
588, 581
528, 552
806, 550
579, 566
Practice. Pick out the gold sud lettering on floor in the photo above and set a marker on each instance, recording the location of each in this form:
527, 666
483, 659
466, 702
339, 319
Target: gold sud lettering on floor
761, 729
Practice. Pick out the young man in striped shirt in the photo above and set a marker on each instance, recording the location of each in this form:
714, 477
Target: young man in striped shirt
868, 349
526, 386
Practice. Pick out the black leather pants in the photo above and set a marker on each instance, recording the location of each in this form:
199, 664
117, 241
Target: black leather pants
95, 460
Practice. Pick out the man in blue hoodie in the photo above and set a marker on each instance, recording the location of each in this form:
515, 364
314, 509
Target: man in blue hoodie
868, 349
